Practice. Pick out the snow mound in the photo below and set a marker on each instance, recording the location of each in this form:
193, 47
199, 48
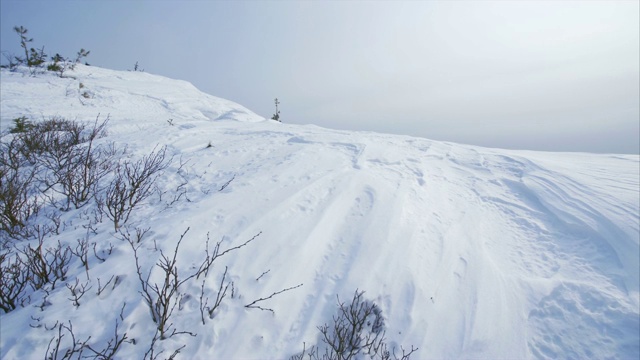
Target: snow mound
469, 252
126, 96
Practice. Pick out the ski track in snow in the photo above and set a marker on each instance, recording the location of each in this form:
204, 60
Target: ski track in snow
470, 252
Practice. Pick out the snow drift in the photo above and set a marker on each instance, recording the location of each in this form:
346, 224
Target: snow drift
470, 252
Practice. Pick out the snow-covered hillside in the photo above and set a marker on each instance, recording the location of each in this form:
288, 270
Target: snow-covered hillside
470, 252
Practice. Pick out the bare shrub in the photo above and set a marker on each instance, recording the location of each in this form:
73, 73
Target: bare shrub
115, 200
54, 155
73, 348
45, 266
162, 298
57, 350
103, 253
77, 291
14, 278
220, 295
56, 136
358, 327
81, 251
357, 331
133, 238
12, 61
132, 184
212, 256
81, 175
102, 288
113, 344
18, 202
75, 165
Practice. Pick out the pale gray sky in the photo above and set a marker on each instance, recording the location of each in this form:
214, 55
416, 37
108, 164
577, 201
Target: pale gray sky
541, 75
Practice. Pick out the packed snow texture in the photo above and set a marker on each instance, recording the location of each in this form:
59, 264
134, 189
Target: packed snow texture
470, 252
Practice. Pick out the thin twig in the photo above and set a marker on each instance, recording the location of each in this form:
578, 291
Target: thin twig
254, 306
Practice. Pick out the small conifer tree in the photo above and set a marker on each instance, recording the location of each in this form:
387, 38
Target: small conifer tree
58, 64
79, 56
276, 116
36, 57
24, 40
32, 57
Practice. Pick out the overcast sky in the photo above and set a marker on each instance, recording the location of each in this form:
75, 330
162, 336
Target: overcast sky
541, 75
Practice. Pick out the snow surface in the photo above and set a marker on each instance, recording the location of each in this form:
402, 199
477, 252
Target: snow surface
470, 252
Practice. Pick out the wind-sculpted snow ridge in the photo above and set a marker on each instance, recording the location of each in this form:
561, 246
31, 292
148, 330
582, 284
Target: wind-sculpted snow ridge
469, 252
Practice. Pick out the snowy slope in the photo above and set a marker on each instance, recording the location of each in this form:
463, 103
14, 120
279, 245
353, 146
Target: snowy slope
470, 252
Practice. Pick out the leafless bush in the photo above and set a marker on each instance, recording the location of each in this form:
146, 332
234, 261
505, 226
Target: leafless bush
81, 174
102, 288
81, 251
136, 238
132, 184
178, 193
77, 291
12, 61
113, 344
74, 164
103, 253
49, 155
60, 349
76, 348
357, 331
162, 299
55, 137
56, 223
212, 256
115, 200
45, 266
14, 278
17, 186
358, 327
151, 354
11, 152
311, 353
220, 295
